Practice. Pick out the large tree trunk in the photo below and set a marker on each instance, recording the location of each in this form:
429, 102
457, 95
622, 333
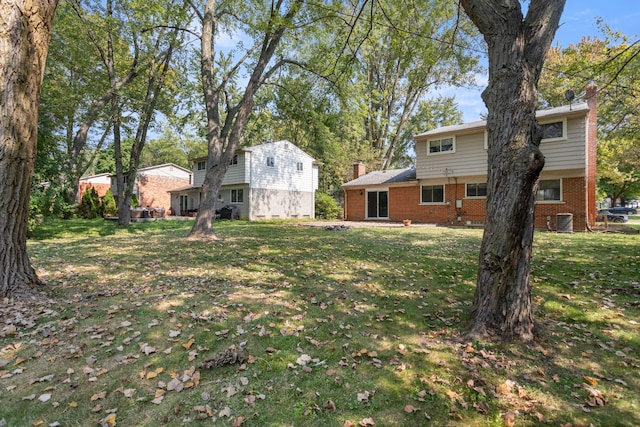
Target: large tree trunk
25, 30
517, 47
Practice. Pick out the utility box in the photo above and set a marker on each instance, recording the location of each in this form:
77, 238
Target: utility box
564, 223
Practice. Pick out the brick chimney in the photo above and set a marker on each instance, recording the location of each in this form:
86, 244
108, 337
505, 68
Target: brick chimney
358, 169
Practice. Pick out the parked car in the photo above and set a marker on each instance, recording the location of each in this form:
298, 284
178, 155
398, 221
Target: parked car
612, 216
623, 210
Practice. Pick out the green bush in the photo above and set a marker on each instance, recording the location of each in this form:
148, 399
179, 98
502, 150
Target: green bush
35, 216
327, 207
134, 201
89, 206
50, 202
108, 206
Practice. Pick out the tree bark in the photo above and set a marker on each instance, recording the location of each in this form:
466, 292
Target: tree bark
25, 29
517, 47
224, 134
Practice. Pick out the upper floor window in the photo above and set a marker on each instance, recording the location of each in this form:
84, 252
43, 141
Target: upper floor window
555, 130
202, 165
443, 145
477, 190
234, 160
548, 190
271, 162
299, 166
432, 194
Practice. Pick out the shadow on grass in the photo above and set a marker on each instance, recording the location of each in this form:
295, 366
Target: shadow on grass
403, 294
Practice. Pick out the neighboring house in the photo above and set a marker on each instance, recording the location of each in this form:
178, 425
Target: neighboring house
154, 182
449, 184
272, 180
100, 182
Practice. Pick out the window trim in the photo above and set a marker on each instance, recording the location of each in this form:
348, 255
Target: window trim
436, 153
466, 190
366, 203
300, 166
422, 202
235, 192
203, 163
564, 129
271, 162
234, 160
560, 200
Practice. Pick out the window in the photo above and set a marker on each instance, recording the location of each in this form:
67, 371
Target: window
554, 131
237, 196
234, 160
377, 204
548, 190
202, 165
271, 162
299, 166
184, 204
432, 194
441, 146
477, 190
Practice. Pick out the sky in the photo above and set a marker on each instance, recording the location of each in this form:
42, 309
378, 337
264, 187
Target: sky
578, 19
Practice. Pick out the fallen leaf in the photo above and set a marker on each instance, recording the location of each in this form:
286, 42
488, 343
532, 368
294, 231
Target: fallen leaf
303, 359
188, 344
330, 405
98, 396
591, 381
45, 397
238, 422
409, 409
363, 397
108, 421
226, 412
367, 422
509, 419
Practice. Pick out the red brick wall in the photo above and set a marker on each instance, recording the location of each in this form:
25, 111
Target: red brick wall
404, 204
575, 197
101, 189
153, 190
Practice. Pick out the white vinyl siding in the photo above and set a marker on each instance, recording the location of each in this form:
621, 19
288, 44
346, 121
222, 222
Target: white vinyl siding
470, 157
568, 153
285, 174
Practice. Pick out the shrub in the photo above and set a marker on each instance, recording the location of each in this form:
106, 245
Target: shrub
50, 201
108, 206
134, 201
327, 207
89, 206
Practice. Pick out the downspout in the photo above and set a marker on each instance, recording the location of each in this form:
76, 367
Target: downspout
346, 215
250, 204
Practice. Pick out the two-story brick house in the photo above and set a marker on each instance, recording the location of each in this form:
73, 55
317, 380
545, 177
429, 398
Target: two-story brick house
272, 180
449, 184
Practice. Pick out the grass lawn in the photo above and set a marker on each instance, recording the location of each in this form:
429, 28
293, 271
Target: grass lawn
279, 324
